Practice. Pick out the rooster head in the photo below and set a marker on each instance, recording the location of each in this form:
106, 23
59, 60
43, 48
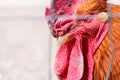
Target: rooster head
82, 24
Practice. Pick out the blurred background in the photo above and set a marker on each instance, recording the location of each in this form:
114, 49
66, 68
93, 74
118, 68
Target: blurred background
27, 50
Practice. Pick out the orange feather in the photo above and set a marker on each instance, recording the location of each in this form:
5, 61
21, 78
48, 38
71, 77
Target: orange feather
102, 55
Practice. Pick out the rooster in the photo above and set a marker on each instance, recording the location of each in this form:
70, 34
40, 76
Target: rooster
85, 47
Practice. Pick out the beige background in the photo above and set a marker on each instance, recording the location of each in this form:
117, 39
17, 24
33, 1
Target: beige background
25, 41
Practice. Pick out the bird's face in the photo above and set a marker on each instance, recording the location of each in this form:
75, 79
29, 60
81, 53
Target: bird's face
88, 31
61, 16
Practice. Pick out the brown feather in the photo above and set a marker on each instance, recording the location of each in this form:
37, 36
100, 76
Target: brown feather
103, 53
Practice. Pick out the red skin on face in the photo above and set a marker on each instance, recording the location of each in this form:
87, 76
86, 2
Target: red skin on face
74, 60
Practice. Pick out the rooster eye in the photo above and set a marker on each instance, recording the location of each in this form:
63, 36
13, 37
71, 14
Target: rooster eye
69, 3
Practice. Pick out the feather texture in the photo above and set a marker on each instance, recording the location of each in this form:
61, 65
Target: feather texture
103, 53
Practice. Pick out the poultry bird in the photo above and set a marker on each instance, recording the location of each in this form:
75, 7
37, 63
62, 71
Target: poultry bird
83, 30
